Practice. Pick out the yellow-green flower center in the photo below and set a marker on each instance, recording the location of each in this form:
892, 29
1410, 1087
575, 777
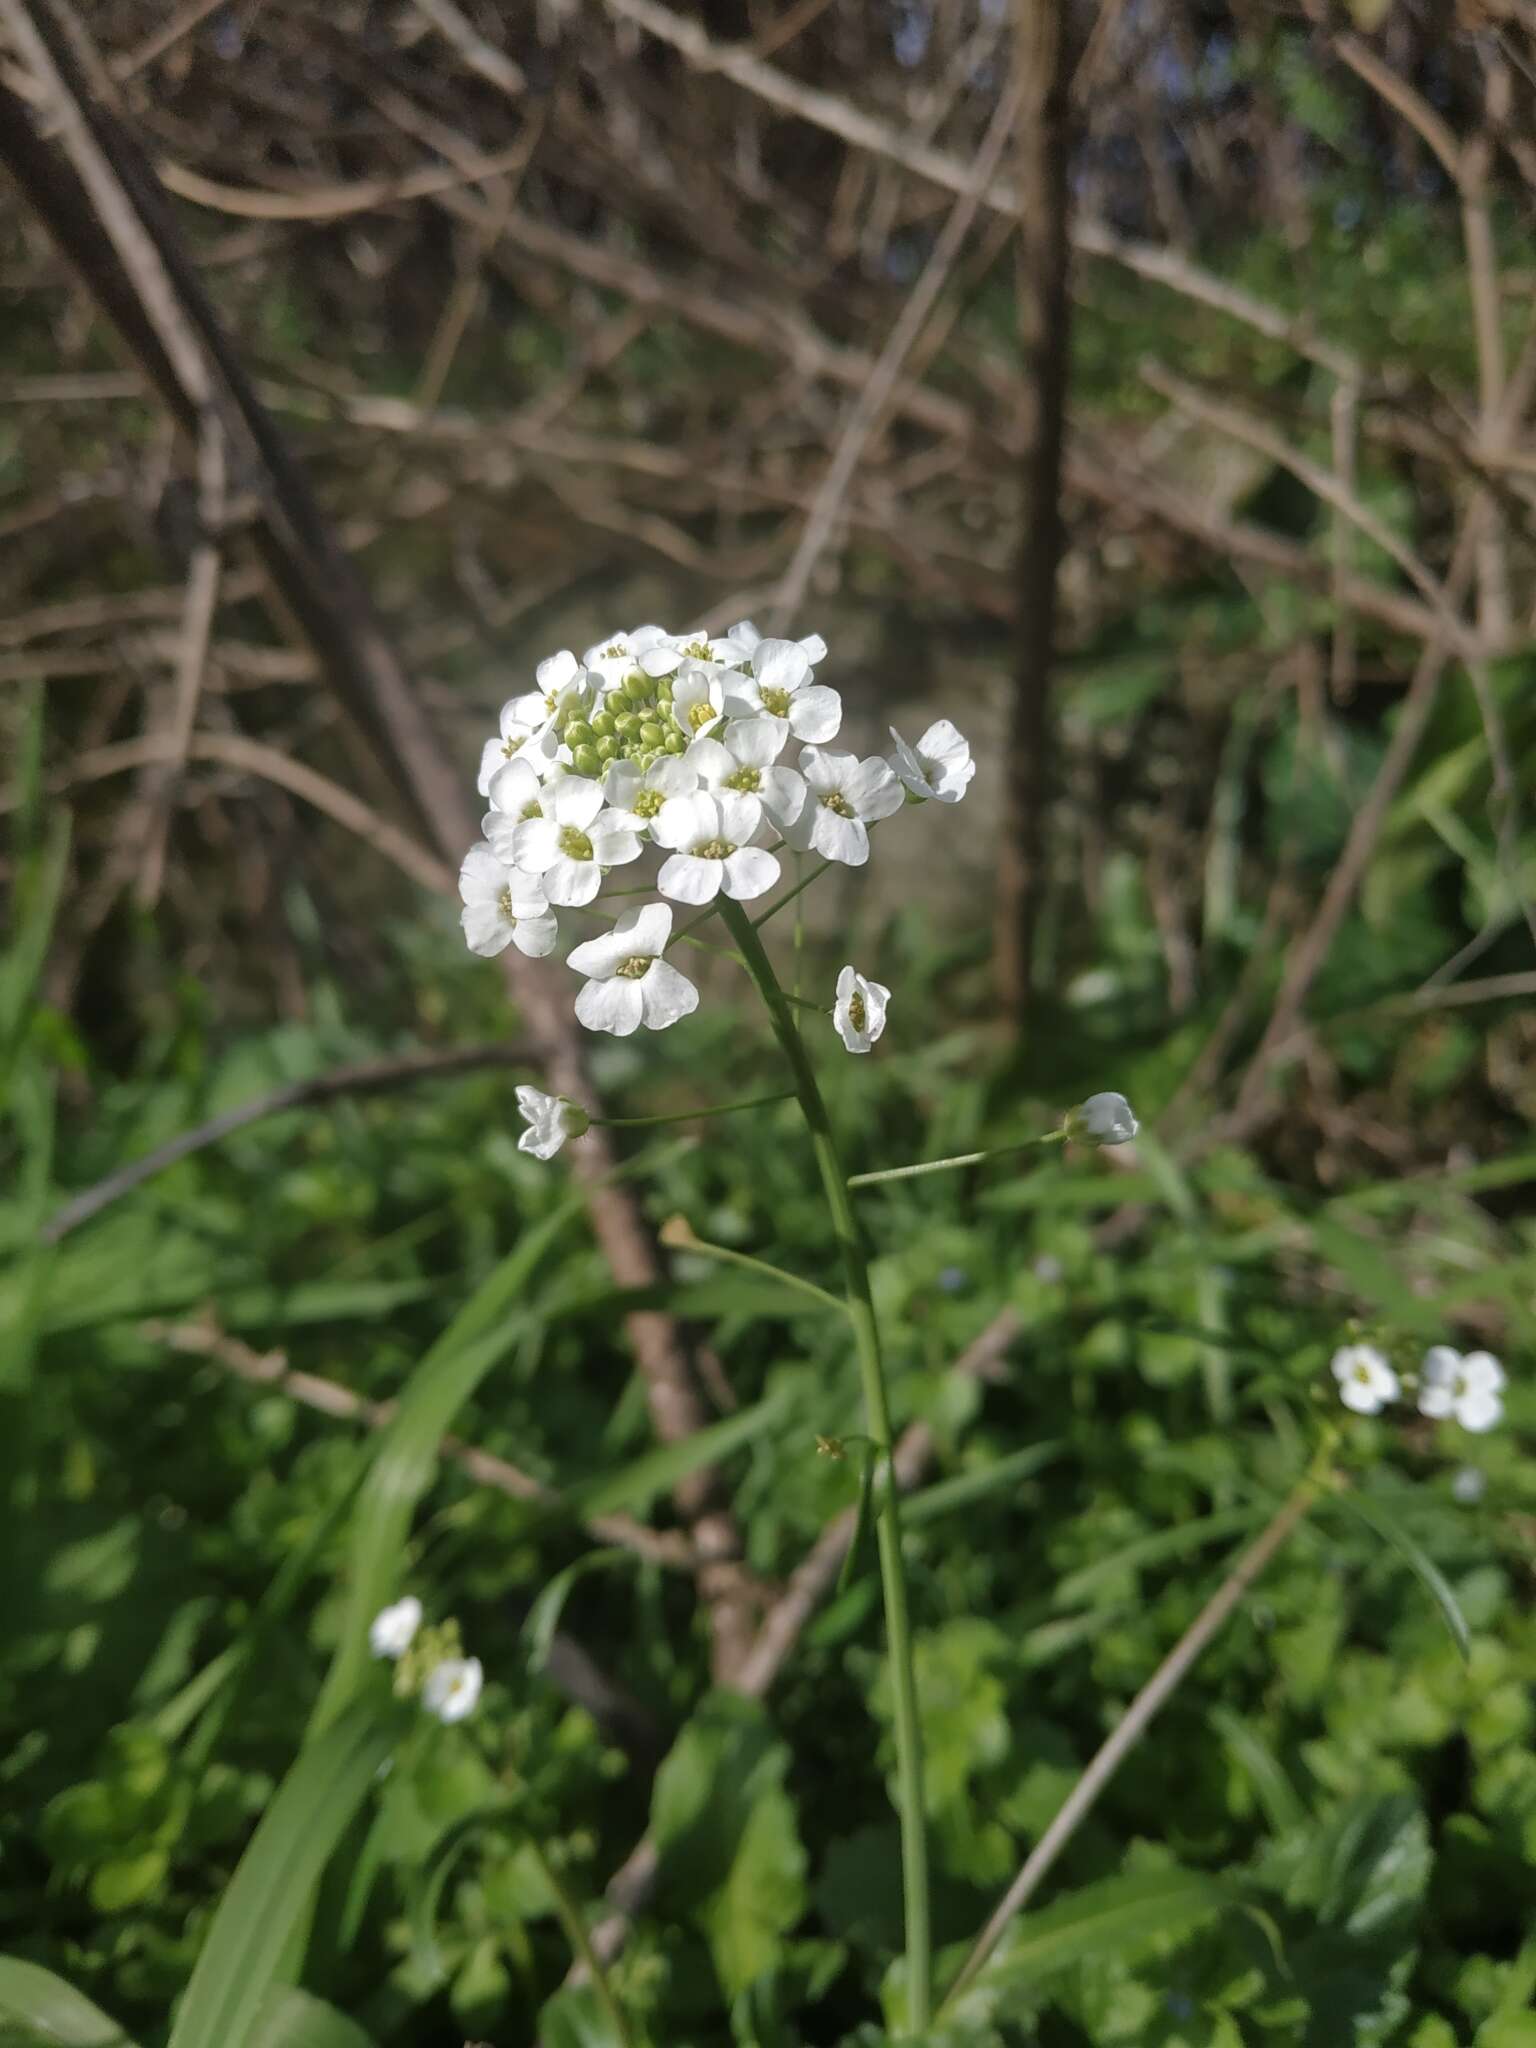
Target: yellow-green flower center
775, 702
858, 1014
648, 802
532, 809
837, 803
701, 714
504, 905
745, 778
714, 849
633, 968
576, 845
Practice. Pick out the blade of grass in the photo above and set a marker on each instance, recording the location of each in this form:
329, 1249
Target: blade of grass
1429, 1575
50, 2012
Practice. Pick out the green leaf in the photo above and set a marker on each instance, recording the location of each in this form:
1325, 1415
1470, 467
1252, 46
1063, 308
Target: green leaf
966, 1488
50, 2012
269, 1893
293, 2019
635, 1485
544, 1615
726, 1834
1368, 1509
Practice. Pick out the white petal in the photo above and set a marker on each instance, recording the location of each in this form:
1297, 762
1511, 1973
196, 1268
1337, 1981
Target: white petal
826, 772
645, 930
553, 675
613, 845
1361, 1396
748, 872
686, 879
514, 787
502, 834
661, 661
779, 664
482, 876
599, 957
836, 838
1479, 1409
1481, 1373
486, 931
816, 713
909, 768
739, 816
873, 790
575, 800
535, 936
685, 820
622, 784
675, 774
710, 761
665, 996
493, 756
571, 883
757, 741
1436, 1402
813, 647
783, 795
610, 1006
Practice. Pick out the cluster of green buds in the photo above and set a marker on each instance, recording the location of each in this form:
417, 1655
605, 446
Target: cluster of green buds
634, 722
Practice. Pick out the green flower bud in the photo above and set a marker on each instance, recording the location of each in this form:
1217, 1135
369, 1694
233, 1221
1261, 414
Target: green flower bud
675, 743
629, 725
578, 733
651, 735
664, 690
587, 760
608, 748
602, 724
637, 687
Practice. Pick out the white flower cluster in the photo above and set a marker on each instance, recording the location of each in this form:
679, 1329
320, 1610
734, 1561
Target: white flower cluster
1451, 1386
449, 1686
653, 738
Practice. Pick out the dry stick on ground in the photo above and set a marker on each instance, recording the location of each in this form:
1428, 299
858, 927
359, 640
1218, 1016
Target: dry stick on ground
809, 1584
1043, 70
869, 408
130, 258
1133, 1725
204, 1339
371, 1078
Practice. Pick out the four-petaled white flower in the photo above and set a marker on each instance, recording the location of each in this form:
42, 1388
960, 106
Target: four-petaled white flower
859, 1012
562, 686
781, 686
638, 793
630, 984
517, 738
502, 907
1104, 1119
698, 699
1465, 1389
571, 844
743, 759
393, 1629
844, 797
551, 1119
712, 850
938, 767
611, 660
452, 1688
1366, 1381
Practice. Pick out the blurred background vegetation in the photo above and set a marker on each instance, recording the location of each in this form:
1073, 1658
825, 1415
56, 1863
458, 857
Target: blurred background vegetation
1146, 386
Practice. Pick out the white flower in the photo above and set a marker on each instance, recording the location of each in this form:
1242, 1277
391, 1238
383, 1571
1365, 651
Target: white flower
939, 766
518, 738
1104, 1119
573, 841
551, 1119
698, 700
746, 635
638, 794
1366, 1381
562, 686
517, 788
392, 1629
1465, 1389
630, 983
669, 654
844, 797
859, 1012
742, 759
781, 686
1469, 1485
502, 907
711, 836
452, 1688
612, 659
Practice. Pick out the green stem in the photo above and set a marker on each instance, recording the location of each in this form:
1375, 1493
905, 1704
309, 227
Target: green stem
909, 1753
789, 895
687, 1116
867, 1180
678, 1236
581, 1942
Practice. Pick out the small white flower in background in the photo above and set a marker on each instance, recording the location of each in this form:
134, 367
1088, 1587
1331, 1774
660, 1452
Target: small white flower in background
1462, 1389
1366, 1381
781, 686
844, 797
1469, 1486
502, 907
710, 838
859, 1012
743, 759
630, 984
574, 840
392, 1629
551, 1119
938, 767
1104, 1119
452, 1688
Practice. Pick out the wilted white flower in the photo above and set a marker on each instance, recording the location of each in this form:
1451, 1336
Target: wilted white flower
710, 836
742, 757
1469, 1485
392, 1629
639, 793
630, 984
1366, 1381
1465, 1389
1104, 1119
844, 796
781, 686
859, 1012
502, 907
939, 766
551, 1119
573, 841
452, 1688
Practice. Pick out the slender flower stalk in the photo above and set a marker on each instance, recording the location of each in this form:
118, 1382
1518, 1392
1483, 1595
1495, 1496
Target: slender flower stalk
677, 1235
922, 1166
688, 1116
861, 1311
576, 1934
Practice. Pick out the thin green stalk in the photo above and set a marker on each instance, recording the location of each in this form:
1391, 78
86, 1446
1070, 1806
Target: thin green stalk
866, 1180
789, 895
581, 1942
677, 1234
687, 1116
861, 1311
